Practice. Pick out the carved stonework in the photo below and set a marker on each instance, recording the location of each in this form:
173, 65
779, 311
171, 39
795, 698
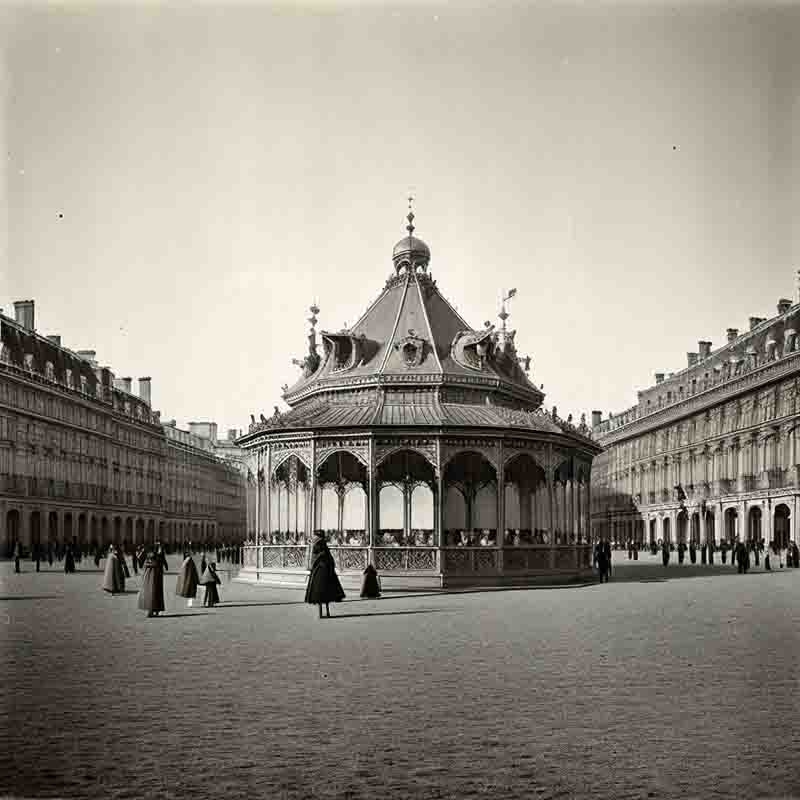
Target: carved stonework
787, 394
413, 349
425, 447
485, 447
283, 450
359, 448
472, 349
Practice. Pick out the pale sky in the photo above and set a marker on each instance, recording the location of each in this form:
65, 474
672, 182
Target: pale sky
182, 181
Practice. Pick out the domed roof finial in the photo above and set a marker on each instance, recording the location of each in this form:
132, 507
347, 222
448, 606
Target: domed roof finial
410, 217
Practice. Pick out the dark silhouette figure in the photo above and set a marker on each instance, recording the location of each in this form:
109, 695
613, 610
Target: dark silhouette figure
151, 595
602, 558
371, 586
210, 580
323, 582
69, 560
17, 556
692, 553
665, 553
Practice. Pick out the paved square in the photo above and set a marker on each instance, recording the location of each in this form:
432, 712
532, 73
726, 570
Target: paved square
644, 687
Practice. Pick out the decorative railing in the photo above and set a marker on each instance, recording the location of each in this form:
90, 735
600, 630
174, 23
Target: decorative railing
405, 558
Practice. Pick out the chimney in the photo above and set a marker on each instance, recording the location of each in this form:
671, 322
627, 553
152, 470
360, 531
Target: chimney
88, 355
659, 377
597, 418
126, 384
232, 433
691, 359
705, 349
755, 322
784, 304
144, 389
55, 339
23, 312
732, 333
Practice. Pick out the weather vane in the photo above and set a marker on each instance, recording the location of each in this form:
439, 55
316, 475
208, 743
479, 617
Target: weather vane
504, 315
410, 217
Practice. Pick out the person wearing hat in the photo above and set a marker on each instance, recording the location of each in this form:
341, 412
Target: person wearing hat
114, 576
323, 582
371, 586
210, 580
69, 560
188, 579
151, 595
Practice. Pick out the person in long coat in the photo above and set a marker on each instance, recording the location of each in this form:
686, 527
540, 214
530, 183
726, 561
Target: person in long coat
210, 580
17, 556
371, 586
187, 578
151, 595
160, 554
665, 553
795, 553
69, 560
114, 577
692, 552
203, 563
323, 582
602, 559
122, 562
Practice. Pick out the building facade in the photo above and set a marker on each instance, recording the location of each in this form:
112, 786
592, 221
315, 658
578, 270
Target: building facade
709, 453
84, 460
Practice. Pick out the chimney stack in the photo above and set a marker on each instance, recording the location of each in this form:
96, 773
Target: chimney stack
691, 359
126, 384
659, 377
231, 434
23, 312
784, 304
732, 333
597, 418
755, 322
704, 349
55, 339
144, 389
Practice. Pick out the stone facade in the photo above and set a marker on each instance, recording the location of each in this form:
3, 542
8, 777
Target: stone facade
711, 452
84, 459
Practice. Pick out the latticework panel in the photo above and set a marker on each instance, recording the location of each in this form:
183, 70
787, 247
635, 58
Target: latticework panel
272, 557
421, 559
538, 559
485, 560
295, 557
513, 559
457, 560
350, 558
389, 559
250, 556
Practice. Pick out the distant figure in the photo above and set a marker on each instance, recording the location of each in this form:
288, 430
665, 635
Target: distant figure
665, 553
323, 582
724, 548
681, 551
210, 580
122, 562
602, 558
69, 560
17, 556
742, 557
371, 586
97, 556
704, 553
37, 555
711, 552
794, 553
50, 553
188, 578
203, 563
134, 561
162, 556
114, 577
766, 557
692, 553
151, 595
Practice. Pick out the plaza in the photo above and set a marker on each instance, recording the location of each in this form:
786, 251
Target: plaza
664, 683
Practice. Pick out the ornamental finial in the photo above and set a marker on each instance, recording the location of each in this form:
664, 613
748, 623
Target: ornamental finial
410, 217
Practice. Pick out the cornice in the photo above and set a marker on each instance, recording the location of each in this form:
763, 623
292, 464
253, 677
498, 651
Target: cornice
756, 379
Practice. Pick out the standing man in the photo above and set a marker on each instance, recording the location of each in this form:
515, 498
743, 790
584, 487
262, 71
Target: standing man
602, 558
17, 556
665, 552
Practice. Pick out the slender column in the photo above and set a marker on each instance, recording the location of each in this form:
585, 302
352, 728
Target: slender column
339, 507
501, 507
440, 501
372, 493
550, 506
258, 498
268, 491
572, 502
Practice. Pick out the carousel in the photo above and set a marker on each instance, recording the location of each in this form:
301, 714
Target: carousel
418, 444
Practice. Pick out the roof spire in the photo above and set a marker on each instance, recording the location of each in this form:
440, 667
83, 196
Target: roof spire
410, 217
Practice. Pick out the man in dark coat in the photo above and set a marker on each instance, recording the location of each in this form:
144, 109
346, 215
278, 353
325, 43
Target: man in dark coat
151, 595
17, 556
724, 548
602, 558
50, 553
665, 553
742, 557
681, 551
69, 560
704, 554
795, 553
188, 579
203, 563
210, 580
371, 586
114, 576
692, 552
323, 582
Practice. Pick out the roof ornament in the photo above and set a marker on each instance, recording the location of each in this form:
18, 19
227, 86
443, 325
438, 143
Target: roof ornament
410, 217
505, 337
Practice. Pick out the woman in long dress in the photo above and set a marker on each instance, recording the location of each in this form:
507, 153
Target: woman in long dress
371, 586
151, 595
187, 579
323, 582
69, 560
114, 577
210, 580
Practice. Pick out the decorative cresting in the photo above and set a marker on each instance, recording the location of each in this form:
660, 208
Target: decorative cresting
473, 349
281, 451
425, 447
356, 447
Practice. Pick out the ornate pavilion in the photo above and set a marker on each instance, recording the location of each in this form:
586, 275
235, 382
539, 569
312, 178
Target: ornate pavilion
419, 444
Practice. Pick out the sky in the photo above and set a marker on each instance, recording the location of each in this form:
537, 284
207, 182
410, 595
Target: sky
182, 181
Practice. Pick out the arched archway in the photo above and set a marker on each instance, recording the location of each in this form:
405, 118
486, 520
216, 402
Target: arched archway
666, 532
341, 498
754, 524
781, 526
406, 500
525, 520
475, 479
731, 519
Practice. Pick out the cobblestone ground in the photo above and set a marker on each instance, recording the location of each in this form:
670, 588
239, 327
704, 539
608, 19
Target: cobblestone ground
642, 688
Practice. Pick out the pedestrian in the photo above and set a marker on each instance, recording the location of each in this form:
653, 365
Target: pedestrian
114, 576
665, 553
69, 560
692, 552
704, 554
724, 548
162, 556
766, 557
323, 582
151, 595
742, 558
602, 558
203, 563
371, 585
134, 561
210, 580
97, 556
187, 579
17, 556
50, 553
681, 552
795, 551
